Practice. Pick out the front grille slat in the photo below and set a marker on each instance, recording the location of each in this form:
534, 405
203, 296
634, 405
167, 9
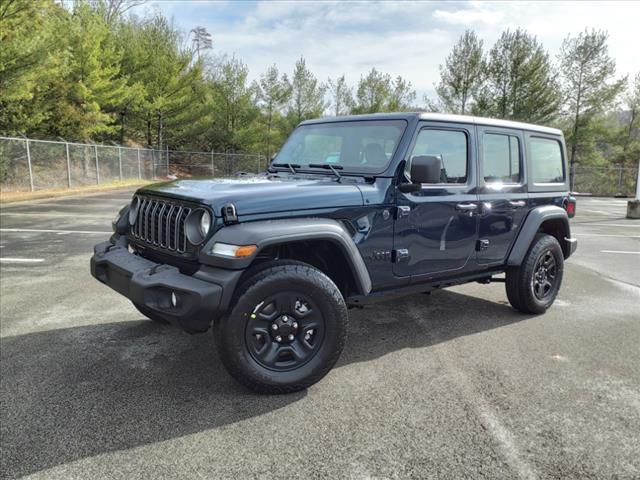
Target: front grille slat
161, 223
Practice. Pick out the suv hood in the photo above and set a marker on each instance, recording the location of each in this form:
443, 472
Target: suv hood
262, 195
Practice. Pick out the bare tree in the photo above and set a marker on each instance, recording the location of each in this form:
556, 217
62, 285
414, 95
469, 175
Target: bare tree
113, 9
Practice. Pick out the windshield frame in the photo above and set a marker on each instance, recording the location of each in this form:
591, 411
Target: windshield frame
302, 167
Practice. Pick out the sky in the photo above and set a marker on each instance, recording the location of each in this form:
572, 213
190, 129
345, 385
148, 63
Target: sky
410, 39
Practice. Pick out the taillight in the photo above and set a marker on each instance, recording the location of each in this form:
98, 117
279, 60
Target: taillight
570, 207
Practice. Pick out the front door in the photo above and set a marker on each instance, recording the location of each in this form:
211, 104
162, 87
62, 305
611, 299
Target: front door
502, 192
436, 227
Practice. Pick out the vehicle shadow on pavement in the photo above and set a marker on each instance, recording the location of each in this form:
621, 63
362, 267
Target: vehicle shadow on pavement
73, 393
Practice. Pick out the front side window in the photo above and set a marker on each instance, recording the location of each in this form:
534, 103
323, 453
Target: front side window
546, 160
363, 147
450, 146
501, 158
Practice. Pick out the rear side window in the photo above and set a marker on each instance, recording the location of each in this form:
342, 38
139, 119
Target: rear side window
546, 160
450, 146
501, 158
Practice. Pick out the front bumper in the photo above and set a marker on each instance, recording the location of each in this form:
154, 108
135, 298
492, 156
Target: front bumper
200, 298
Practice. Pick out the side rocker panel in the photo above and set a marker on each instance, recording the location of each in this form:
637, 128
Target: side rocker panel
532, 223
266, 233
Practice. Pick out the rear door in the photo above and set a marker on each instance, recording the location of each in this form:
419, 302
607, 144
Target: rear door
435, 227
502, 191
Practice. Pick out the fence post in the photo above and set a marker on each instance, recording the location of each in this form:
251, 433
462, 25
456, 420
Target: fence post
120, 163
29, 164
167, 160
68, 166
638, 184
213, 174
153, 164
95, 148
139, 168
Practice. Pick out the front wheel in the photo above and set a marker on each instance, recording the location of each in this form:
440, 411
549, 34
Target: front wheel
286, 330
533, 286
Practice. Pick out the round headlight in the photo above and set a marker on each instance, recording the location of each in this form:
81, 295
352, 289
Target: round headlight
197, 226
205, 223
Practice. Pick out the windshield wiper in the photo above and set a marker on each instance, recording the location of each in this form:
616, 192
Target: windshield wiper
290, 166
328, 166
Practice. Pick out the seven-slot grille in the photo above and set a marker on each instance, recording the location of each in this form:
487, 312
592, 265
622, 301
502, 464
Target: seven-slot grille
161, 223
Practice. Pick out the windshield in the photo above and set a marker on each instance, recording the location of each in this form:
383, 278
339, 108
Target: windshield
362, 147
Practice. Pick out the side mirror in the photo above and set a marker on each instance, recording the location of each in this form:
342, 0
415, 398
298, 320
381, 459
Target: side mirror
424, 169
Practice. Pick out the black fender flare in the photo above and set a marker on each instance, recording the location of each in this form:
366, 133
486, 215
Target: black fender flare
529, 229
272, 232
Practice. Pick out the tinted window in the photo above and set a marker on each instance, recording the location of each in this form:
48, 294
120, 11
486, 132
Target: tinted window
450, 146
501, 158
365, 146
546, 160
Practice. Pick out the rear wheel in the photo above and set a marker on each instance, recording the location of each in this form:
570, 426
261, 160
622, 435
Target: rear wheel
533, 286
286, 330
150, 315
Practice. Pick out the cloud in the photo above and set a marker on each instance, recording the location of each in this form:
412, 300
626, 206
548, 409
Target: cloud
401, 38
469, 16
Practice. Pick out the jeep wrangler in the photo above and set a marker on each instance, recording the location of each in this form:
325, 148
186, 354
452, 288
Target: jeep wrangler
352, 210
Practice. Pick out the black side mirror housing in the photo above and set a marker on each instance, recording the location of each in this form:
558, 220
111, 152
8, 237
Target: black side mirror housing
426, 169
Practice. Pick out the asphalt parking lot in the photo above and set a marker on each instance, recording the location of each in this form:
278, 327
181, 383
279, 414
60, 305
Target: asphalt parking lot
450, 385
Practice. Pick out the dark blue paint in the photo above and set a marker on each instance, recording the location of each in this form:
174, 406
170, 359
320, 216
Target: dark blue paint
441, 239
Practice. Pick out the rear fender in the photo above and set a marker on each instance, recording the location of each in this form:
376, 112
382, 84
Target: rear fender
534, 223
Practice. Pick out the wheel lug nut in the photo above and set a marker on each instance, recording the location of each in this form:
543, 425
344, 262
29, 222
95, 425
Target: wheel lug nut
295, 325
278, 338
290, 337
285, 319
274, 327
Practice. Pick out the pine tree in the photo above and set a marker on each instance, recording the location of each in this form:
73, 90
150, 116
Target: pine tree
520, 83
274, 93
462, 74
341, 96
374, 90
234, 107
401, 96
588, 87
29, 60
307, 95
92, 90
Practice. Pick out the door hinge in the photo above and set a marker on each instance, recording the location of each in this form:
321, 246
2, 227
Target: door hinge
482, 244
402, 211
399, 255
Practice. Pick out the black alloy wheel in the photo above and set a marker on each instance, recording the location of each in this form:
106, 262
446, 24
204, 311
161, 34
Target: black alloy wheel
545, 275
285, 331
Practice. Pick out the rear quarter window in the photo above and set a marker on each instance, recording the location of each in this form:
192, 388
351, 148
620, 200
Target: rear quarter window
546, 160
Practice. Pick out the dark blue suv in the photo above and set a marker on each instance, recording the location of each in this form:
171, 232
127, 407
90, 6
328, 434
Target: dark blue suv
352, 210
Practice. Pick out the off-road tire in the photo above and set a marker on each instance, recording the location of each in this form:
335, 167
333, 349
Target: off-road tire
150, 315
520, 280
279, 277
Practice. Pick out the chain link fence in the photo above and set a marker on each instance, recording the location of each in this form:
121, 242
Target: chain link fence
605, 181
30, 165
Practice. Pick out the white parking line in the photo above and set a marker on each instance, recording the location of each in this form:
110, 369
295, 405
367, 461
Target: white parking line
21, 260
54, 215
605, 225
620, 251
606, 235
33, 230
